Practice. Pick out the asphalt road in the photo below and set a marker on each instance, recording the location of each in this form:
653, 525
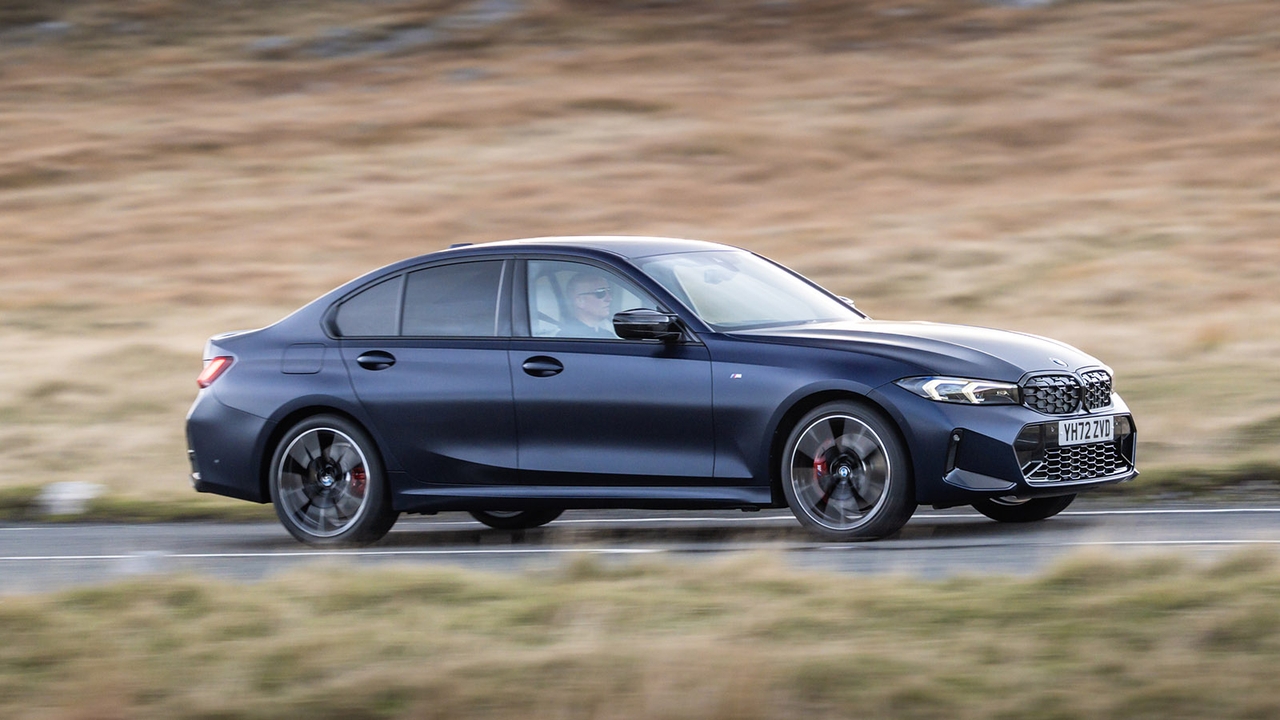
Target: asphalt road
42, 557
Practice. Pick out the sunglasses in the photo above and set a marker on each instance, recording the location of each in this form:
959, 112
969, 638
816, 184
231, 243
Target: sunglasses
600, 294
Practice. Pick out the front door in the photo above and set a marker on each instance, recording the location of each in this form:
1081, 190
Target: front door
593, 409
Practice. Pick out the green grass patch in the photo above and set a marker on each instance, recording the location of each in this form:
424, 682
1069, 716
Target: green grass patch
22, 504
744, 638
18, 503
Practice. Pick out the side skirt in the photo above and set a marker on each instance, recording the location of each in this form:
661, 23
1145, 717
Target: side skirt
527, 497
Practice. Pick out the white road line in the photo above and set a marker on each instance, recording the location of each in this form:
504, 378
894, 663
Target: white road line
1084, 543
860, 547
1075, 543
339, 553
1173, 511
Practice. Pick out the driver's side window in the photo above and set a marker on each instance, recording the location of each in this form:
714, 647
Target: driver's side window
578, 300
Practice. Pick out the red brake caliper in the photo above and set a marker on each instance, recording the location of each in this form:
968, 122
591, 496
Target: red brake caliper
820, 468
358, 479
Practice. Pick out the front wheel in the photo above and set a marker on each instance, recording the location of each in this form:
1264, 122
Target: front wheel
515, 519
1015, 510
328, 485
845, 473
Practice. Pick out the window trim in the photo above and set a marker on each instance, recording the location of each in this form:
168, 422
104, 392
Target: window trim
522, 327
502, 315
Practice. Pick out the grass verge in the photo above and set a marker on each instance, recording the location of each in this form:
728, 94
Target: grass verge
1226, 483
22, 504
1152, 638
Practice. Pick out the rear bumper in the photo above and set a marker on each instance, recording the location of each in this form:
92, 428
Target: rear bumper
224, 446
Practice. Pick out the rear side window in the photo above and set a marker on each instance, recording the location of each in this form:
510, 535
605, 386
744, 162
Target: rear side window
453, 300
372, 313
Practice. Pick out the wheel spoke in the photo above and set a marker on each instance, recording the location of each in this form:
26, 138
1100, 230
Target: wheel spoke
802, 459
303, 512
821, 505
348, 503
860, 442
819, 436
859, 501
305, 450
326, 438
294, 467
835, 425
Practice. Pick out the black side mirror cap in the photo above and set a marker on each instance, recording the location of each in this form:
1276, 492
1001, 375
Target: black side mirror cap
645, 324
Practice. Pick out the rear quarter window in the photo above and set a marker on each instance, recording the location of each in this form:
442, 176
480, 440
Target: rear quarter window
374, 312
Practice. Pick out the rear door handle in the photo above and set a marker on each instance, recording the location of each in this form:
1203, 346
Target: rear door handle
376, 360
542, 366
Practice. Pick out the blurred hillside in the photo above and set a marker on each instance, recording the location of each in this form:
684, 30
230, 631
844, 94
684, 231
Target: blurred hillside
1106, 173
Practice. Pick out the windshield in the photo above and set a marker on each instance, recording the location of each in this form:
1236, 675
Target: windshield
736, 290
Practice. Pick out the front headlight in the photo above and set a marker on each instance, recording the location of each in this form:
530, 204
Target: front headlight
963, 390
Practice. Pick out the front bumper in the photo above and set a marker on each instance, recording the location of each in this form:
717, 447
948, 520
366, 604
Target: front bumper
962, 452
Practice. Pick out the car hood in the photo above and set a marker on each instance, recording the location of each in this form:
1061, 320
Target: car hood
938, 348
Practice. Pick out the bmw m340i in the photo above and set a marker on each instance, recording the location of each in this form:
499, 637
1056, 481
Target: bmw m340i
514, 380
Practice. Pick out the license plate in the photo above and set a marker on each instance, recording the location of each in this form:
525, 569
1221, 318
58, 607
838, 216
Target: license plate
1089, 430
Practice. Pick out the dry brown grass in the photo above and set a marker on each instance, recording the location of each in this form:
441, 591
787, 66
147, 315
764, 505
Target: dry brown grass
746, 638
1107, 173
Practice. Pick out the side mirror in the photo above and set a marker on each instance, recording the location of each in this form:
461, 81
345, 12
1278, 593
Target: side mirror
645, 324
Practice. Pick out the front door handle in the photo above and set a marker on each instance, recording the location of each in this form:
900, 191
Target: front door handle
542, 366
376, 360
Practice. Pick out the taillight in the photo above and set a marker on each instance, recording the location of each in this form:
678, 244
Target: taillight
212, 370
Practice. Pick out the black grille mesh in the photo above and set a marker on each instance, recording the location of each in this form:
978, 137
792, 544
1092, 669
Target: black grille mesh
1052, 394
1079, 462
1097, 389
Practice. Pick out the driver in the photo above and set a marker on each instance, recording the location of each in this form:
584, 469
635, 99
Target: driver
591, 307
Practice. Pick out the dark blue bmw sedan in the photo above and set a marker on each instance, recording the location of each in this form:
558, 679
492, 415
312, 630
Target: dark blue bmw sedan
515, 380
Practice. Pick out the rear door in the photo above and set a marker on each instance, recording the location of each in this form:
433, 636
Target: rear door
427, 356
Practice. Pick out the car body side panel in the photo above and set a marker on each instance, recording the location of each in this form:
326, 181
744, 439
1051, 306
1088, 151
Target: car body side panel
756, 384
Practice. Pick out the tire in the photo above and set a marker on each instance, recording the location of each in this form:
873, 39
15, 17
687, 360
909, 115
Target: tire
328, 484
845, 473
515, 519
1010, 510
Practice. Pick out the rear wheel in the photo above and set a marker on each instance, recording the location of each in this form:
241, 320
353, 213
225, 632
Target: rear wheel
328, 484
844, 473
1015, 510
515, 519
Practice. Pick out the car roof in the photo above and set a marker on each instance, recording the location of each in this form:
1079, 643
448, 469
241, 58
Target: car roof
626, 246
